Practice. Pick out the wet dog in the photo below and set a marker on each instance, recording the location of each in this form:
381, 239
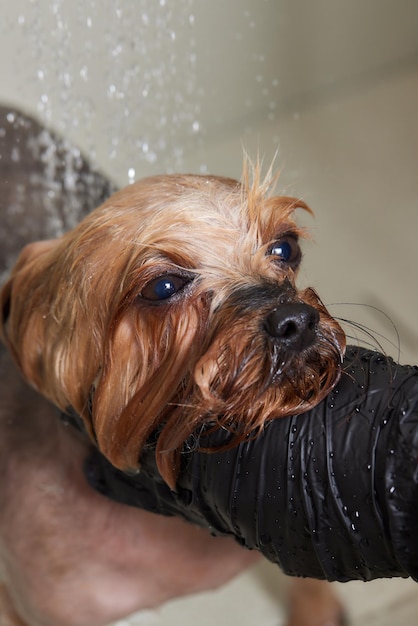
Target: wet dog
171, 308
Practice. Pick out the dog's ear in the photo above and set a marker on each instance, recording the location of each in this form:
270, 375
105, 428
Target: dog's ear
6, 294
46, 324
15, 301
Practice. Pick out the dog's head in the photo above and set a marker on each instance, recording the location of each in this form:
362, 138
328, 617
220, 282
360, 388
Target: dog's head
173, 306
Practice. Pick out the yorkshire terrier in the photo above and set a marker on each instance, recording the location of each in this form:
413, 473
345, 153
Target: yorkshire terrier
171, 308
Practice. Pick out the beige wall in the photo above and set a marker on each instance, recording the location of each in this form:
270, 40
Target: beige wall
145, 84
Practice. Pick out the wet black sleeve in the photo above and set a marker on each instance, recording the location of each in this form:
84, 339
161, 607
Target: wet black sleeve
332, 493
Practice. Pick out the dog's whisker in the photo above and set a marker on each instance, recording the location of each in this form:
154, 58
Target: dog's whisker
372, 334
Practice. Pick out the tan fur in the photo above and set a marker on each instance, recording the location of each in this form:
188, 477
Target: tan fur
82, 333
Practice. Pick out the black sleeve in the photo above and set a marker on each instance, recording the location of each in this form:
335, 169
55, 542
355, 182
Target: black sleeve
331, 493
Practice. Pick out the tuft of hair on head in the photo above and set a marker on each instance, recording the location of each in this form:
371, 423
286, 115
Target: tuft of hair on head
258, 191
255, 187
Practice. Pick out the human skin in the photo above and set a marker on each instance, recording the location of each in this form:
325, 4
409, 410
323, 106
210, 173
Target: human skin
71, 557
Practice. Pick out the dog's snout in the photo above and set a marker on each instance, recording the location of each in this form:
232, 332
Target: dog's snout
293, 325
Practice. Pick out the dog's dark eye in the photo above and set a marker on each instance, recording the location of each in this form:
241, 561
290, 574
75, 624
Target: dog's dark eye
164, 287
287, 250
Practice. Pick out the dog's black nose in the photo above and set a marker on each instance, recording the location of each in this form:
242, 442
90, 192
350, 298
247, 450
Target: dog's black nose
294, 325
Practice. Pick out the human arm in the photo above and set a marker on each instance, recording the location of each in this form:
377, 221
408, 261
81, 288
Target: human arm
327, 494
